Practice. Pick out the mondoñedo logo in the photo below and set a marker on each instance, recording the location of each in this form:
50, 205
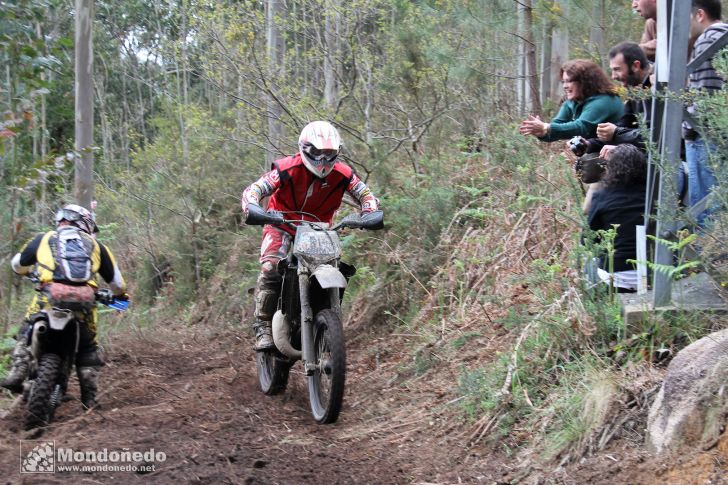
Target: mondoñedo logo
37, 456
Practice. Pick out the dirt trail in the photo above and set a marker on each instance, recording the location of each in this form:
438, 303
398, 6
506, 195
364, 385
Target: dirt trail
188, 395
192, 394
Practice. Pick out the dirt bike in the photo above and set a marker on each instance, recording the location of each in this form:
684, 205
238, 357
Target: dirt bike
307, 325
54, 338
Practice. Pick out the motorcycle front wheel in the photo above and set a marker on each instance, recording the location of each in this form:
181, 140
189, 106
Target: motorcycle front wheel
40, 402
326, 384
272, 372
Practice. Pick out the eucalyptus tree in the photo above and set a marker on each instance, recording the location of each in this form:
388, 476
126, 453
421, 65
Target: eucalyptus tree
84, 96
275, 51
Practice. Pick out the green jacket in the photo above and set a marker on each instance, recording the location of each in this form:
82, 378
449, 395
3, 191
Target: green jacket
580, 118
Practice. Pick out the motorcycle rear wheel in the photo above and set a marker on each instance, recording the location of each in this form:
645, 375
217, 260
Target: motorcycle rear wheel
40, 405
273, 372
326, 385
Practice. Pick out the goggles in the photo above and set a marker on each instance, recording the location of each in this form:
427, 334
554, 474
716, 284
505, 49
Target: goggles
324, 155
67, 215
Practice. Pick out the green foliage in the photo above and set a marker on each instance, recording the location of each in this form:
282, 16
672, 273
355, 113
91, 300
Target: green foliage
7, 344
461, 341
679, 248
543, 271
481, 387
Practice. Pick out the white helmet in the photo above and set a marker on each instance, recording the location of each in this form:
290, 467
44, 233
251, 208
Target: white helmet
77, 216
319, 144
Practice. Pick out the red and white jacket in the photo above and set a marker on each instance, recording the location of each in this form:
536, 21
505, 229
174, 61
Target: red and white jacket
293, 188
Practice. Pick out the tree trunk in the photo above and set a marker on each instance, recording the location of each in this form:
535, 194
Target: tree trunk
531, 56
559, 51
182, 87
84, 163
548, 32
597, 39
330, 55
273, 15
521, 97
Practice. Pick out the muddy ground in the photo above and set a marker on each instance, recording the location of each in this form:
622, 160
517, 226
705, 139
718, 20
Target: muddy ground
193, 395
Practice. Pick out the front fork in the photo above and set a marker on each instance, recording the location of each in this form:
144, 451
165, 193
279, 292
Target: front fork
309, 353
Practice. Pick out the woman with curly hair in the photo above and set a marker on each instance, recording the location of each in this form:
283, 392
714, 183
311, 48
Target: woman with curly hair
620, 202
590, 99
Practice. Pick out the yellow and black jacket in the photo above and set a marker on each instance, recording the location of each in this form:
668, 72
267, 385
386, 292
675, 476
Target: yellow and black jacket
38, 252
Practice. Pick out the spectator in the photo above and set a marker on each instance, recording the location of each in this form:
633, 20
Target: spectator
590, 100
648, 10
705, 29
621, 202
630, 67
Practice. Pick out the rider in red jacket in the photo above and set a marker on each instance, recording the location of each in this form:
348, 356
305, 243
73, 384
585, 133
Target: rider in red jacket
310, 184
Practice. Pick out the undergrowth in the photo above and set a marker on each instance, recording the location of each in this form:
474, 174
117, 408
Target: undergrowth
552, 351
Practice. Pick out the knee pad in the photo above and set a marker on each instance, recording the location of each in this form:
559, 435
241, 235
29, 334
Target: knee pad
269, 277
266, 302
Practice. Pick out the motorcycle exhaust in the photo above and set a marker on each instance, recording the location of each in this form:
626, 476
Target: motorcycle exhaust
40, 327
282, 336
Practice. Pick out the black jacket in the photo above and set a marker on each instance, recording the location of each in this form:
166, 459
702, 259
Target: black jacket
623, 205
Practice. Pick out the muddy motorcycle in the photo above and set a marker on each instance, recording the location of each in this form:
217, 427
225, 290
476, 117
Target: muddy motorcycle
307, 325
53, 338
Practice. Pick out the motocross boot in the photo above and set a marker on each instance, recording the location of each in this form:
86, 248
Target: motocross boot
263, 335
265, 306
21, 358
88, 382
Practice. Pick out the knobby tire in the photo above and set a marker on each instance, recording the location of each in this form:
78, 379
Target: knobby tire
272, 372
326, 386
40, 409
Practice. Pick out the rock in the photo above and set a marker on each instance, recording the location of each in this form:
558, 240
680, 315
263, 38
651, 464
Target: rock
691, 407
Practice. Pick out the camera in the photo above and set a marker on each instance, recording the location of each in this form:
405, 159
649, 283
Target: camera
590, 168
578, 146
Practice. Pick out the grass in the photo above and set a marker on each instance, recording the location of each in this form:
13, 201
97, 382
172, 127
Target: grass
462, 340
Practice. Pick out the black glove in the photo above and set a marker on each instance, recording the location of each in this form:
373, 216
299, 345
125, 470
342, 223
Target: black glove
122, 297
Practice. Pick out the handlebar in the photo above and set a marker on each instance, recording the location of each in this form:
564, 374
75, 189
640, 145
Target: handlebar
104, 296
368, 220
107, 298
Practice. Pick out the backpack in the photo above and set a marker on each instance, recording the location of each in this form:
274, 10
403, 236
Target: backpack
72, 251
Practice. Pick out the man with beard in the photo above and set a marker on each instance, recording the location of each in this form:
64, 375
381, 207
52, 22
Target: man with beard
630, 67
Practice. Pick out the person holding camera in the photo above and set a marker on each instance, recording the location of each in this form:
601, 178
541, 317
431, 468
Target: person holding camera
620, 203
591, 99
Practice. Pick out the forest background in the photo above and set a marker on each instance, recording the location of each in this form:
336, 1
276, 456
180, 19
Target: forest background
194, 99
